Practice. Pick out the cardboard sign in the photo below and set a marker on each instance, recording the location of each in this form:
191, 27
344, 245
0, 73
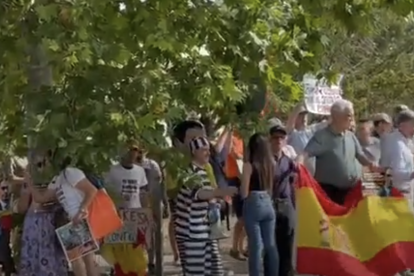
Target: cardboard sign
76, 240
135, 222
319, 95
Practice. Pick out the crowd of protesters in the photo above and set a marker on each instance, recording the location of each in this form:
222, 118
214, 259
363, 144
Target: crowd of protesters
255, 178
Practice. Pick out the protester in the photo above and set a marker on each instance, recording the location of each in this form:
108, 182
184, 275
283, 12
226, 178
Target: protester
200, 255
127, 182
258, 212
397, 109
284, 198
233, 173
41, 253
157, 194
336, 150
299, 132
6, 257
183, 133
382, 125
370, 145
75, 193
400, 155
218, 154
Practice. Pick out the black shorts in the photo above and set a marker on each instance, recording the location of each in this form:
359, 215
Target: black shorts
237, 201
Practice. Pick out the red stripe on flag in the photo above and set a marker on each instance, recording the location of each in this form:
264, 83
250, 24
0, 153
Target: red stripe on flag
305, 180
389, 261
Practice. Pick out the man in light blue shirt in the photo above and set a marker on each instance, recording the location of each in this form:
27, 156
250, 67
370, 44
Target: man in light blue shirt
300, 133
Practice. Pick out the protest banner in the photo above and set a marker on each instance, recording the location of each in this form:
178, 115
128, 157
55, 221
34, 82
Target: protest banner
319, 95
136, 222
76, 240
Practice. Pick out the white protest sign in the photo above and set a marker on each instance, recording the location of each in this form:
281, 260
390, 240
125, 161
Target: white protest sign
137, 222
145, 225
76, 240
319, 96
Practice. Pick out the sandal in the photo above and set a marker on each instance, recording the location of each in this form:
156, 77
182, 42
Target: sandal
237, 255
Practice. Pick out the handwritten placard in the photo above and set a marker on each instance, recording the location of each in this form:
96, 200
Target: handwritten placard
319, 95
76, 240
137, 222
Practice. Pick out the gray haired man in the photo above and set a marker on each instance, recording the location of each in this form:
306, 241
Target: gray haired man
336, 151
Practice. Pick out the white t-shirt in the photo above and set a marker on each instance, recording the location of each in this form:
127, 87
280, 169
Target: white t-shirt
126, 183
68, 195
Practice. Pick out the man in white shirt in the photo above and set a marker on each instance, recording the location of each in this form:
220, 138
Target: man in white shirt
399, 154
126, 179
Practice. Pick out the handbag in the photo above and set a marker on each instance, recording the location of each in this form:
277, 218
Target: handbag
283, 205
216, 229
60, 217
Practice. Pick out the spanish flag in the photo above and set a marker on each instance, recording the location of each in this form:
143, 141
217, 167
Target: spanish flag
367, 236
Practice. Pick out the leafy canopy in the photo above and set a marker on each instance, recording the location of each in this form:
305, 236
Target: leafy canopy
85, 75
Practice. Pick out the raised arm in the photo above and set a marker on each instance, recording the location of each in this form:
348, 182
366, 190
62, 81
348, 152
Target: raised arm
223, 143
290, 123
23, 202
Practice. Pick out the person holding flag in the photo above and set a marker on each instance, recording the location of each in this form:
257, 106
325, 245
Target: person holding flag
336, 151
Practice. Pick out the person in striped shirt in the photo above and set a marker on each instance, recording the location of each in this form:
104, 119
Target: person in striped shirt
199, 253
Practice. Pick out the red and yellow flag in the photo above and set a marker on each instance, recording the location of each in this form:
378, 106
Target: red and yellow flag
367, 236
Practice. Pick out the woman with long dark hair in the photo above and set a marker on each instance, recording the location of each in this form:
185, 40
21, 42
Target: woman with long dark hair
258, 212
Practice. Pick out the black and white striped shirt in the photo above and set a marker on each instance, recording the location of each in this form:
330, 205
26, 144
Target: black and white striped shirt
191, 212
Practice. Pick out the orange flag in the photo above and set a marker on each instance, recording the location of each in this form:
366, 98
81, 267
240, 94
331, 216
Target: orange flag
103, 217
367, 236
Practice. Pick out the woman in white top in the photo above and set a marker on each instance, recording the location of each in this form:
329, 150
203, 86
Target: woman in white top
75, 193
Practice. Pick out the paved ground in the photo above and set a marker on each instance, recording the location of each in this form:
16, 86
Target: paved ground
239, 268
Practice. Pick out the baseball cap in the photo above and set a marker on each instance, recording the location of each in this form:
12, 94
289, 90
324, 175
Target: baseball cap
274, 122
277, 127
379, 117
404, 116
399, 108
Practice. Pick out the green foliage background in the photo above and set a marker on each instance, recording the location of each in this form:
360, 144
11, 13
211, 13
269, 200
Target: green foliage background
86, 75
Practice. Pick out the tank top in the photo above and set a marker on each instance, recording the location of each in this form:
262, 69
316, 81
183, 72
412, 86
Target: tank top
255, 180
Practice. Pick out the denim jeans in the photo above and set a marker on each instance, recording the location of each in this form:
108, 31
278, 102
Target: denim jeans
260, 222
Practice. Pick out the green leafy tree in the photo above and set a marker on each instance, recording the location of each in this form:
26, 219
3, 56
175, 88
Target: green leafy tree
378, 65
111, 70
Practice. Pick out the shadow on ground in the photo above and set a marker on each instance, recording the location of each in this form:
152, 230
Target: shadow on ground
239, 268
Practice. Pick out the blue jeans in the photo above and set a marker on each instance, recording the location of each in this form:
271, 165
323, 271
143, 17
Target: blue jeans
260, 224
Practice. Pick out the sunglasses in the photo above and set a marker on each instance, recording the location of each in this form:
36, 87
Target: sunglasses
4, 188
137, 150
